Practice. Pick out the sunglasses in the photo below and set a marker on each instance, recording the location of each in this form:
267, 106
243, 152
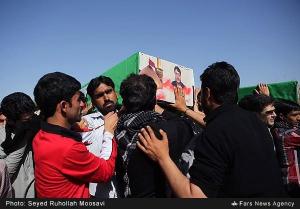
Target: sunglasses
101, 94
270, 112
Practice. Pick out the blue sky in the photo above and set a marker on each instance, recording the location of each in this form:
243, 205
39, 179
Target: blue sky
83, 38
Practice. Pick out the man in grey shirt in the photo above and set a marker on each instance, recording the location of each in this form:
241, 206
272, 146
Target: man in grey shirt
15, 139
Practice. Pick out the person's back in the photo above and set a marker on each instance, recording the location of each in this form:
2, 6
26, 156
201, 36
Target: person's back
138, 176
233, 158
242, 147
145, 178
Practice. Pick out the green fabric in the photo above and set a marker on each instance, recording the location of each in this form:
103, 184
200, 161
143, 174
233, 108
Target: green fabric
284, 90
119, 72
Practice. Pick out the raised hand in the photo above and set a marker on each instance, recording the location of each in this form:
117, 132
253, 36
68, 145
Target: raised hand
179, 99
110, 122
262, 88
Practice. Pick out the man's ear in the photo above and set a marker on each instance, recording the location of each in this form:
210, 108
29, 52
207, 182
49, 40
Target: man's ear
206, 94
63, 105
92, 104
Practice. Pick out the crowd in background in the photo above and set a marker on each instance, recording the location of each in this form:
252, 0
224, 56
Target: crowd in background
59, 146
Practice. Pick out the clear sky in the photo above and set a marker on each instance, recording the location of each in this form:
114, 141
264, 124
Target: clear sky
83, 38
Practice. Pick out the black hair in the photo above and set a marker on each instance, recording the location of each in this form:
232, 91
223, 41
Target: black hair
138, 93
16, 104
223, 81
255, 102
286, 106
82, 97
95, 82
198, 100
176, 68
53, 88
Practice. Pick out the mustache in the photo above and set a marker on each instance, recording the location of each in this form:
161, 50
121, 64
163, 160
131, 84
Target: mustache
108, 102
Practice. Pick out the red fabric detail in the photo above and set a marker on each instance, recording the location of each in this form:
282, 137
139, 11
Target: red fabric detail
289, 141
64, 167
151, 64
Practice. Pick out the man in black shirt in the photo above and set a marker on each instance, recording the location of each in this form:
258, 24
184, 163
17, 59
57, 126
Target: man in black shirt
234, 157
137, 175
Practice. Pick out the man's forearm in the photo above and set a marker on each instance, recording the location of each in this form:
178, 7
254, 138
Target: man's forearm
197, 116
179, 183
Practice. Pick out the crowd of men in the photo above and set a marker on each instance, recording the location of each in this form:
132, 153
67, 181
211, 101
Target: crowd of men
58, 147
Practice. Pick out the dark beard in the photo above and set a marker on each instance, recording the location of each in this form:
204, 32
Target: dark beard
111, 108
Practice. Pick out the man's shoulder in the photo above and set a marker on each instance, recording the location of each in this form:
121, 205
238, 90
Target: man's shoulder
232, 121
63, 139
174, 121
174, 126
45, 142
94, 119
236, 114
93, 116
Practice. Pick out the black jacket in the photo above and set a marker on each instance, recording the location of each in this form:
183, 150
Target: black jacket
146, 178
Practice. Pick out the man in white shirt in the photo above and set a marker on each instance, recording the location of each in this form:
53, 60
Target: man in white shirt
99, 129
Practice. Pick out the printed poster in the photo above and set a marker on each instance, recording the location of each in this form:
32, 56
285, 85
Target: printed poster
167, 75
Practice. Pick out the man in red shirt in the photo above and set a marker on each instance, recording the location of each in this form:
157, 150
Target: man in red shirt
286, 134
63, 165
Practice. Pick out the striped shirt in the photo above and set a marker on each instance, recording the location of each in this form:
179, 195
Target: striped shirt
287, 142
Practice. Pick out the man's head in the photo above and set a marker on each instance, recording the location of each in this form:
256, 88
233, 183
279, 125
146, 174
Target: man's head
138, 93
58, 93
102, 92
220, 83
177, 73
17, 107
262, 105
288, 111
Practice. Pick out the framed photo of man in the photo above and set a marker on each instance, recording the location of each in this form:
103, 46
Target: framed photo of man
167, 76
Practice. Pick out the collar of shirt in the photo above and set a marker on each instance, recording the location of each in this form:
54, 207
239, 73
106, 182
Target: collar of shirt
219, 111
50, 128
96, 115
